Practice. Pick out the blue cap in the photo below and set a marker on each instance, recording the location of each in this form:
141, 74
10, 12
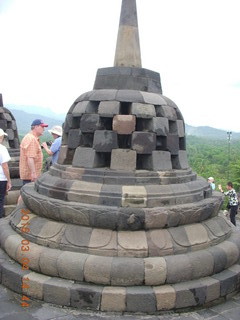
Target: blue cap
39, 122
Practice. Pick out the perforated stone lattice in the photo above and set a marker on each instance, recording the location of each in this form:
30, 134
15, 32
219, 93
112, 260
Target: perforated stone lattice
8, 124
103, 131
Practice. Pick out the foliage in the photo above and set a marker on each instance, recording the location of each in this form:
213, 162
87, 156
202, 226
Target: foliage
217, 158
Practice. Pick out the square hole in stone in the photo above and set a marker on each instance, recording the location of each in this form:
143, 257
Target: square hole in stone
86, 139
159, 111
182, 143
173, 127
140, 161
106, 156
92, 107
106, 123
143, 124
124, 141
161, 143
125, 108
11, 143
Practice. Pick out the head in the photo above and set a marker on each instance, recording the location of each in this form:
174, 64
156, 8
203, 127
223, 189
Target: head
2, 135
38, 126
229, 185
56, 131
210, 179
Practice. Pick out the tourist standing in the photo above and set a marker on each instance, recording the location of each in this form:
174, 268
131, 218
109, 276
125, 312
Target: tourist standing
211, 183
54, 149
5, 181
233, 201
31, 157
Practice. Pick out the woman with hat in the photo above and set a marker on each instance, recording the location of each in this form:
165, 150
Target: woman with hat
5, 181
54, 150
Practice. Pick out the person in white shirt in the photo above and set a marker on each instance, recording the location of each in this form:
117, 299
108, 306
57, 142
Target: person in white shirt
5, 181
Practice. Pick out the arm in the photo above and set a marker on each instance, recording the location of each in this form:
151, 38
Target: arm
49, 152
7, 174
31, 165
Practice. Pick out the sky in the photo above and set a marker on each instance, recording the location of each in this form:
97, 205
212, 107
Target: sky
50, 51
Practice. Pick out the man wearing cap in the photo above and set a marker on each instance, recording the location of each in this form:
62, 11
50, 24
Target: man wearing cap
31, 157
5, 181
54, 150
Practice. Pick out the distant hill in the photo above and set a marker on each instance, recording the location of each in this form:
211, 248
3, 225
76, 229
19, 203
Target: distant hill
44, 112
24, 118
209, 132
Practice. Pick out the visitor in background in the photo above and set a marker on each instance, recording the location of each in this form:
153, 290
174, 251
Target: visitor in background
31, 157
5, 181
232, 202
211, 183
54, 149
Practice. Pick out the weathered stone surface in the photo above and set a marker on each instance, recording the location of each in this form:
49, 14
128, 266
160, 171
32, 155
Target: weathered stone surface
124, 124
113, 299
73, 138
228, 281
166, 111
189, 294
143, 142
86, 297
155, 271
166, 297
90, 123
179, 268
109, 108
87, 157
12, 276
35, 284
105, 140
200, 269
158, 160
123, 159
57, 291
134, 196
173, 144
160, 242
84, 107
158, 125
141, 299
141, 110
132, 244
212, 288
133, 276
48, 262
98, 270
180, 161
70, 265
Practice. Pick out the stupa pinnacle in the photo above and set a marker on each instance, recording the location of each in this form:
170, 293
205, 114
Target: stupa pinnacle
121, 223
128, 46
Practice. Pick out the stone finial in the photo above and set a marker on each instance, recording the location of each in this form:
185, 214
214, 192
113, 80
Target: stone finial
128, 52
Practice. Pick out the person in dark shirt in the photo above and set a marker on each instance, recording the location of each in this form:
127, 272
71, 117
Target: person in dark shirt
232, 202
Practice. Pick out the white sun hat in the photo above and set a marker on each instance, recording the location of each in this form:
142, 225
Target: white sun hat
2, 133
56, 130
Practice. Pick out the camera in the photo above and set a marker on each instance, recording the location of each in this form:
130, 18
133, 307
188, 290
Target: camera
49, 143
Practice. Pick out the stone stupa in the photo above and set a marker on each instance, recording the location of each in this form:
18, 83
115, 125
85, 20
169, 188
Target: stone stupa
121, 223
9, 125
